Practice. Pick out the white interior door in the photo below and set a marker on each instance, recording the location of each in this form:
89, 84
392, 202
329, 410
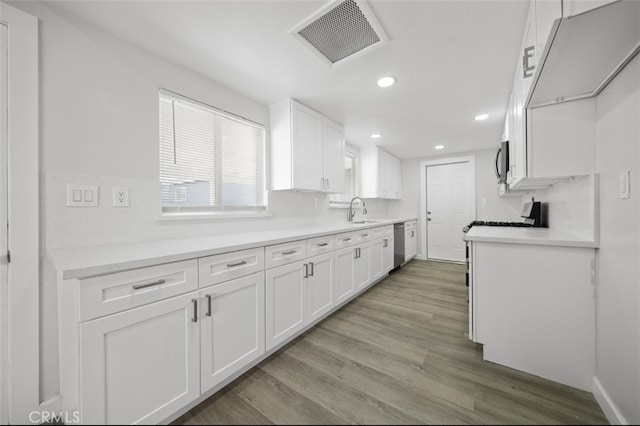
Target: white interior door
4, 307
448, 209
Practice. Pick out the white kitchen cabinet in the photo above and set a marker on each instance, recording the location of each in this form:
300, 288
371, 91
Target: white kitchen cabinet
344, 276
380, 174
521, 296
320, 285
140, 365
387, 253
362, 265
410, 240
286, 302
307, 149
232, 327
575, 7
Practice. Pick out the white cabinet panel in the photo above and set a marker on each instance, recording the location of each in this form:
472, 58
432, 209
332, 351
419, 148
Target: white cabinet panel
232, 327
344, 277
228, 266
117, 292
307, 149
286, 302
387, 253
362, 267
141, 365
380, 174
320, 282
333, 156
377, 259
281, 254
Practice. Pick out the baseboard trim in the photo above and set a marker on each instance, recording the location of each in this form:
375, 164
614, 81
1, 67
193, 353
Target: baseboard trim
609, 408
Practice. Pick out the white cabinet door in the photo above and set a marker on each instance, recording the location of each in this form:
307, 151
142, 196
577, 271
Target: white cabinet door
362, 267
232, 327
286, 301
320, 283
344, 276
410, 244
377, 259
307, 147
396, 178
387, 254
140, 365
333, 156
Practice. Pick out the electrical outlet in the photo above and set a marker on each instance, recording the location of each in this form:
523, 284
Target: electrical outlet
120, 196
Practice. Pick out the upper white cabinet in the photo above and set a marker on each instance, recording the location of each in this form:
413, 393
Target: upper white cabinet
575, 7
380, 174
307, 149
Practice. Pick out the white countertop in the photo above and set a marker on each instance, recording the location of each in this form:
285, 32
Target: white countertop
537, 236
86, 261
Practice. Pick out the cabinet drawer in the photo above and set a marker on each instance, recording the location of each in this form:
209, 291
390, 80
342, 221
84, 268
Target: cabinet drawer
347, 239
410, 225
117, 292
320, 245
223, 267
281, 254
382, 231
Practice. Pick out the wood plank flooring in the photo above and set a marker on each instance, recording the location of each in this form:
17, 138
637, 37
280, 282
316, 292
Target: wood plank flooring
398, 354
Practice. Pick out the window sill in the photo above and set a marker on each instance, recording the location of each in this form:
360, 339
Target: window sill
197, 216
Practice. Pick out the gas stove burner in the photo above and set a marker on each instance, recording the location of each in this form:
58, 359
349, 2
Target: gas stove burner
493, 223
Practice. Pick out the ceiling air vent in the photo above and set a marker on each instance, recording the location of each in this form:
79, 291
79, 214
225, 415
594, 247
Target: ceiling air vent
341, 30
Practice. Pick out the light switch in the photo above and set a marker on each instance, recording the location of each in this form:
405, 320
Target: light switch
624, 184
82, 195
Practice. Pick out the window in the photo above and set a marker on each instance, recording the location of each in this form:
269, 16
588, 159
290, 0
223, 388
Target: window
210, 161
350, 182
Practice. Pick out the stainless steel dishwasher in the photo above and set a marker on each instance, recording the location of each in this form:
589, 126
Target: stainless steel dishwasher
398, 244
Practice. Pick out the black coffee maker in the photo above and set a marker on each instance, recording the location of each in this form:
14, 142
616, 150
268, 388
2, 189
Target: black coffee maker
534, 213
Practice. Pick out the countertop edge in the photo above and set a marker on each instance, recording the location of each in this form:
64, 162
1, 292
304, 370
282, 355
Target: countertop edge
75, 271
549, 242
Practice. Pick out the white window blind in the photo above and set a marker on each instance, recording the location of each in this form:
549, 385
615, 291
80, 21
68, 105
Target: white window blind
210, 160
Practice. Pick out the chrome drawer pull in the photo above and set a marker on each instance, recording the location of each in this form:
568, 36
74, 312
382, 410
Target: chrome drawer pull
346, 239
285, 253
151, 284
306, 270
231, 265
323, 244
311, 272
364, 235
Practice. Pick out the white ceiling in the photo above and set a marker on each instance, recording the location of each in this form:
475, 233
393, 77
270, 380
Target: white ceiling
453, 59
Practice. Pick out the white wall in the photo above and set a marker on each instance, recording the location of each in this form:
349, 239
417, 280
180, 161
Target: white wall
618, 287
488, 205
99, 126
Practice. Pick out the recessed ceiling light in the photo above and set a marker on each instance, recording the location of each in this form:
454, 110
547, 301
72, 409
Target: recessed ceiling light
439, 146
481, 117
386, 81
375, 135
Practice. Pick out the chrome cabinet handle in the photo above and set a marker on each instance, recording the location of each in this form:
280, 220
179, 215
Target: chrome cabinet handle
413, 233
355, 253
288, 252
306, 271
323, 244
151, 284
311, 267
385, 243
364, 235
208, 296
231, 265
327, 183
346, 240
195, 310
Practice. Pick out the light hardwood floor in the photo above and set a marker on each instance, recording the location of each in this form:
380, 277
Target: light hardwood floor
398, 354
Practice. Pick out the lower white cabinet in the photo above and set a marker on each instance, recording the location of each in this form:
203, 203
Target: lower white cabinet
188, 327
410, 241
231, 328
296, 295
381, 257
140, 365
320, 285
286, 297
344, 280
362, 265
